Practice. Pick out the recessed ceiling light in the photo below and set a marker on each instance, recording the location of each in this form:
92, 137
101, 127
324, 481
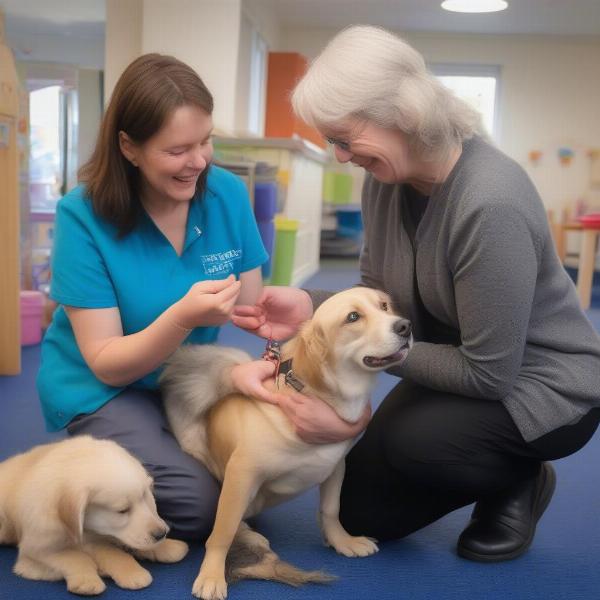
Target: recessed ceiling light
474, 6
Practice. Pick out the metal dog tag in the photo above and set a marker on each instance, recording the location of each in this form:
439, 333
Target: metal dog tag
293, 381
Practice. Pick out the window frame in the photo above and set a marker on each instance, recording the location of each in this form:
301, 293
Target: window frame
475, 70
257, 96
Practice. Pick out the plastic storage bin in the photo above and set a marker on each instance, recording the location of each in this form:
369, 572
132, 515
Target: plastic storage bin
265, 207
349, 221
267, 234
265, 200
337, 187
285, 250
32, 309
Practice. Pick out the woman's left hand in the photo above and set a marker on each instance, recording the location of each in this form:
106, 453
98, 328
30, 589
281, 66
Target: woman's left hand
317, 423
314, 421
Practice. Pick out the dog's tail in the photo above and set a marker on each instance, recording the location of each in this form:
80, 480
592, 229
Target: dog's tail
192, 380
253, 562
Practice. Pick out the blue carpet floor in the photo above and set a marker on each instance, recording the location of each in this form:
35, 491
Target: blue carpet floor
563, 562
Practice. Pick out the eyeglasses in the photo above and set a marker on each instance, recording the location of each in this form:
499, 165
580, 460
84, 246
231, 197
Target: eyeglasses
345, 146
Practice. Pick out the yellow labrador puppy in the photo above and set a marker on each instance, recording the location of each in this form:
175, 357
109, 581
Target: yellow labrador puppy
252, 447
69, 506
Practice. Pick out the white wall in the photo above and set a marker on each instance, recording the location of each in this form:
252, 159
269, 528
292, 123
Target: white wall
90, 112
265, 22
124, 35
549, 97
243, 76
207, 39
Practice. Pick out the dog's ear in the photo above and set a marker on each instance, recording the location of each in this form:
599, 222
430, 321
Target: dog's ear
311, 353
71, 511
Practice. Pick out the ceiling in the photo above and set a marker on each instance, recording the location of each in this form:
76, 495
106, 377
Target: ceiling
81, 18
85, 18
562, 17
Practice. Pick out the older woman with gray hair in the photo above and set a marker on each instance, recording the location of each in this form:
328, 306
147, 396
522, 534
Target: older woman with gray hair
504, 373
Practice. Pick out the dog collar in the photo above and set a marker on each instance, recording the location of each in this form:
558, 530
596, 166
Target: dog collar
272, 353
285, 368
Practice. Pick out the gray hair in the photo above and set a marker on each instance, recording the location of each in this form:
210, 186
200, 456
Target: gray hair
369, 73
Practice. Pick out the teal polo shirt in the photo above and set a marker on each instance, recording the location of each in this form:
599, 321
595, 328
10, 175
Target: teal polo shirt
141, 275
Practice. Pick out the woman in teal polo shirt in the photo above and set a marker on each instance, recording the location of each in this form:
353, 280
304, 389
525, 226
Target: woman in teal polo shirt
152, 251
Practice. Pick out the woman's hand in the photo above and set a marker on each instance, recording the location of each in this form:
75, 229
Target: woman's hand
250, 379
317, 423
207, 303
278, 313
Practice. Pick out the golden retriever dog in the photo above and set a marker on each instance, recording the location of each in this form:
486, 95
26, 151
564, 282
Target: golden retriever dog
251, 446
71, 507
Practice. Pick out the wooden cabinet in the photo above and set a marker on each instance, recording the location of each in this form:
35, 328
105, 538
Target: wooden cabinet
285, 69
10, 329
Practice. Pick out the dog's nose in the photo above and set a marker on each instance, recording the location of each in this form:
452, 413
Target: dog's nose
159, 534
402, 327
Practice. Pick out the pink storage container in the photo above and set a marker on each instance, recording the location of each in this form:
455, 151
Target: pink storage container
32, 309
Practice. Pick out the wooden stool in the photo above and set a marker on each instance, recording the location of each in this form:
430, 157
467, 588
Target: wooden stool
587, 262
587, 255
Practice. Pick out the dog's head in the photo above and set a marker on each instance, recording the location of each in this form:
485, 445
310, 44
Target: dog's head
353, 330
110, 494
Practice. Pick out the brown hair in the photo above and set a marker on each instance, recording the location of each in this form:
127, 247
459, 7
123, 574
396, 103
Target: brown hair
145, 96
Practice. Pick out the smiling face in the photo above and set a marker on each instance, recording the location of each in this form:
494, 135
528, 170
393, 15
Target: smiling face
353, 335
122, 506
359, 330
369, 334
382, 152
171, 161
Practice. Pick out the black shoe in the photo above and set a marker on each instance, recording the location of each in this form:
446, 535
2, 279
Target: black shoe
502, 528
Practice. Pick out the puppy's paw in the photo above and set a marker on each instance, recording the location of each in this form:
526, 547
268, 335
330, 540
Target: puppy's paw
169, 551
85, 584
32, 569
134, 579
209, 587
351, 546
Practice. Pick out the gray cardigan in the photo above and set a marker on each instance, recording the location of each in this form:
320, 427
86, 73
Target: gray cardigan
486, 267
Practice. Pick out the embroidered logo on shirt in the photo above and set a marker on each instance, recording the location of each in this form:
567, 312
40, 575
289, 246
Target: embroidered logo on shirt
220, 262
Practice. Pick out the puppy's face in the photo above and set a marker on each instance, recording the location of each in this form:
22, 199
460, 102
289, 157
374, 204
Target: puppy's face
113, 498
361, 330
124, 509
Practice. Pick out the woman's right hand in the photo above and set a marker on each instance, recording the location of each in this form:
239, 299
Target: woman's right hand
278, 313
207, 303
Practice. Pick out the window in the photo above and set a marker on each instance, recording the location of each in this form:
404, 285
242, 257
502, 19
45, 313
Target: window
251, 85
258, 75
53, 130
476, 84
46, 143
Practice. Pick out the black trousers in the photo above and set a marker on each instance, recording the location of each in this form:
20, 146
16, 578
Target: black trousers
427, 453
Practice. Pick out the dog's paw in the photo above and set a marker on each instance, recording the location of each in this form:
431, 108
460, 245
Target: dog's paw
7, 534
134, 579
169, 551
354, 545
85, 584
208, 587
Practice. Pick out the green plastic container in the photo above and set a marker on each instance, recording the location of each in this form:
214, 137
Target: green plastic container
285, 250
337, 187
